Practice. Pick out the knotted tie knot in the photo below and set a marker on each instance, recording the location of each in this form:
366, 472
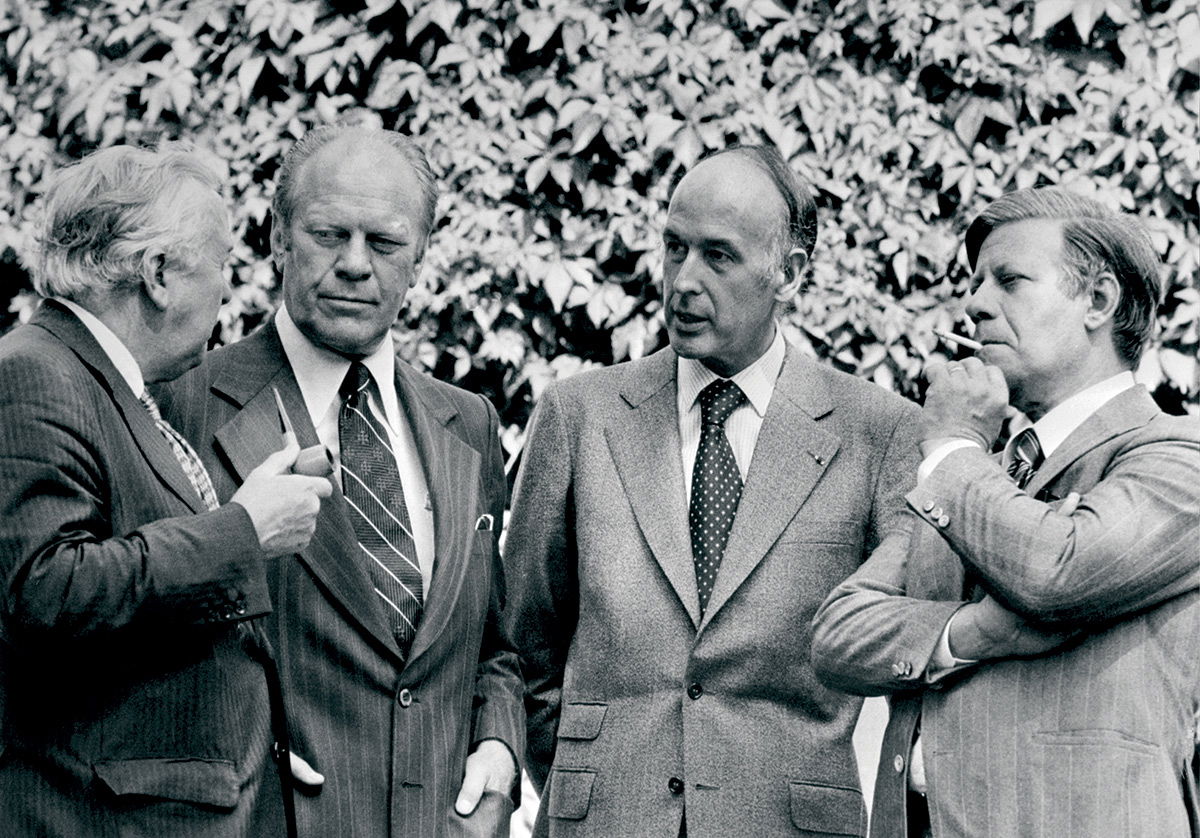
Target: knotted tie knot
358, 378
718, 400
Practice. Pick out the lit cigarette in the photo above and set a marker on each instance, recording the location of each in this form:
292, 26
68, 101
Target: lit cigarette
973, 345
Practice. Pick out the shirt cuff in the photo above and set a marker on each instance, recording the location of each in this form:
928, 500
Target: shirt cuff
943, 661
940, 453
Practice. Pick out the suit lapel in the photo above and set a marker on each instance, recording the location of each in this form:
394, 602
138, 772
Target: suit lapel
147, 437
257, 364
645, 447
452, 474
790, 456
1127, 410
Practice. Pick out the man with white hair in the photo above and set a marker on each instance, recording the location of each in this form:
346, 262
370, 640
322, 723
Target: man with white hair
137, 699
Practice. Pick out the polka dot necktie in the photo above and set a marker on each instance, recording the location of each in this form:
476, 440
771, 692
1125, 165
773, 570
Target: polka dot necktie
372, 488
716, 484
1026, 457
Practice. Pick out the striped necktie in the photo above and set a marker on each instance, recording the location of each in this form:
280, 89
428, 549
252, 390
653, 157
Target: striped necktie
188, 459
372, 488
716, 485
1026, 457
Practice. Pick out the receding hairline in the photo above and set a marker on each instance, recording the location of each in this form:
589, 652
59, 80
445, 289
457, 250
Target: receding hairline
373, 149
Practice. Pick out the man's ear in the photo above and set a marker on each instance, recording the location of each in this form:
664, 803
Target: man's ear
797, 259
1105, 297
154, 279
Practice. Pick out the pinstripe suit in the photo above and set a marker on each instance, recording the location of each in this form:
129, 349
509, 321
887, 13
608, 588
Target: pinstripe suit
1093, 740
640, 706
391, 739
133, 703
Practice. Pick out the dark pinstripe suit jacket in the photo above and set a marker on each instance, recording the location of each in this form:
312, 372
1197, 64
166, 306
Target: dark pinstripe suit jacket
391, 739
1094, 740
134, 704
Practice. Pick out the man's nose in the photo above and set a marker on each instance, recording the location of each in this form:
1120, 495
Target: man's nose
354, 261
976, 303
686, 276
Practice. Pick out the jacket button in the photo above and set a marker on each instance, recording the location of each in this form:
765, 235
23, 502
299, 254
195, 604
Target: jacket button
943, 521
675, 786
928, 506
898, 763
405, 697
694, 691
936, 512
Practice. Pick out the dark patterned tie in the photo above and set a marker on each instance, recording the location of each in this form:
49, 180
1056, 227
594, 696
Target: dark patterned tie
188, 459
372, 488
716, 485
1026, 457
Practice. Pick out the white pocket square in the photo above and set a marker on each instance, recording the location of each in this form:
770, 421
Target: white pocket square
484, 523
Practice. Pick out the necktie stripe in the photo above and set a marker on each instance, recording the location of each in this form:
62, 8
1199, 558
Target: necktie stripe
377, 500
369, 422
388, 571
364, 517
399, 610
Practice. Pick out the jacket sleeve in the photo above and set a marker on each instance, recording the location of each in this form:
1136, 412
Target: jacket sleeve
498, 688
545, 594
1130, 544
67, 572
869, 636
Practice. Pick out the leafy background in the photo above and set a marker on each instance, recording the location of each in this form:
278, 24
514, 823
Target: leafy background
557, 127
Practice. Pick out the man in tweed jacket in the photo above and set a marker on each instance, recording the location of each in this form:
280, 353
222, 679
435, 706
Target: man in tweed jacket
1038, 632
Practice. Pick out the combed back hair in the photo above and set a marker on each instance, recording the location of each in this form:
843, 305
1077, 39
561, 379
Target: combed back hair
799, 228
1095, 240
109, 213
355, 125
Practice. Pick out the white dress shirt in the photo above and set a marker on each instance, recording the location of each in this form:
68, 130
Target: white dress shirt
320, 372
757, 381
127, 366
1052, 430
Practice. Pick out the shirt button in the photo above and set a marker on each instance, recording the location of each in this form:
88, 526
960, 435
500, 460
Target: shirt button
898, 763
405, 697
694, 691
675, 786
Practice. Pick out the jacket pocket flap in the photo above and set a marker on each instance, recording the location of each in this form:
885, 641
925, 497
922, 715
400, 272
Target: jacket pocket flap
828, 809
211, 782
570, 793
581, 721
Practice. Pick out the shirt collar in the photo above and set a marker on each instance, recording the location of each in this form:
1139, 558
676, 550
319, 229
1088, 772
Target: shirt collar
757, 381
1062, 420
319, 372
117, 352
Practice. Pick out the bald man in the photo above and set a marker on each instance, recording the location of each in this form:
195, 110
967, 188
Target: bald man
676, 523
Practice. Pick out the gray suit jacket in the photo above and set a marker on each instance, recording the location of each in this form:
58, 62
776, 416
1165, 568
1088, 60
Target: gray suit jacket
135, 703
639, 707
391, 738
1092, 740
